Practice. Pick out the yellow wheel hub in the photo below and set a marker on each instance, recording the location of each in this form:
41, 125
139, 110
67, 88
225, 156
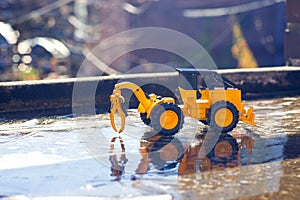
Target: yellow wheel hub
223, 149
168, 120
223, 117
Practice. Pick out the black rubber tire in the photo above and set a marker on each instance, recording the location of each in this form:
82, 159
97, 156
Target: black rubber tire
224, 160
146, 120
158, 111
214, 109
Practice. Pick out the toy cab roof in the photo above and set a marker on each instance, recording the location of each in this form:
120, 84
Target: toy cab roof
191, 73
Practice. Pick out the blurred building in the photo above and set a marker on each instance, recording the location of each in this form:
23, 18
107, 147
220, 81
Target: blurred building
210, 22
292, 33
82, 24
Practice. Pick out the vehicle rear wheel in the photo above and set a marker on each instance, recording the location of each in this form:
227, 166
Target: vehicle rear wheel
167, 118
222, 117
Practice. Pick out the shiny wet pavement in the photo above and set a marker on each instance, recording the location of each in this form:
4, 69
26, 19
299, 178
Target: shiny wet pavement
83, 156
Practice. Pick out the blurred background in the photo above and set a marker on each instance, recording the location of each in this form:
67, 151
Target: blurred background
48, 39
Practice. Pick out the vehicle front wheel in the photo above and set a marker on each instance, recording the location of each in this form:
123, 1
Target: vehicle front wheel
167, 118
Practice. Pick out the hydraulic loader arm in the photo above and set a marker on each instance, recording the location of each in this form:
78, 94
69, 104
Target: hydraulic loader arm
137, 91
117, 99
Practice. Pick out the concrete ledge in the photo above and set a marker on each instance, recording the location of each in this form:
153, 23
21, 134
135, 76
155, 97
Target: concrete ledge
42, 98
266, 82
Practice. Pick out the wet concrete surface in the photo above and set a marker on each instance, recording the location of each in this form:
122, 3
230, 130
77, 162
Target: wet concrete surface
84, 157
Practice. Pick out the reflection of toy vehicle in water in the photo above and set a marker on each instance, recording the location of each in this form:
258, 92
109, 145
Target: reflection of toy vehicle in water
117, 165
165, 152
168, 152
224, 154
158, 150
220, 108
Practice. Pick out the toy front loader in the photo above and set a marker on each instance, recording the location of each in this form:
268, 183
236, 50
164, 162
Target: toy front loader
216, 102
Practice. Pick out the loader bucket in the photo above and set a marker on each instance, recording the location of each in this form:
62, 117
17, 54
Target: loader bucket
248, 116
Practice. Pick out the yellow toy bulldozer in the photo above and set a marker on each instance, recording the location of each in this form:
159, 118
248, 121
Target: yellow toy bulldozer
206, 96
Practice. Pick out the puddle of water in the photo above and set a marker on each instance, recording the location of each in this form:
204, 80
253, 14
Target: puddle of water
159, 155
83, 156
